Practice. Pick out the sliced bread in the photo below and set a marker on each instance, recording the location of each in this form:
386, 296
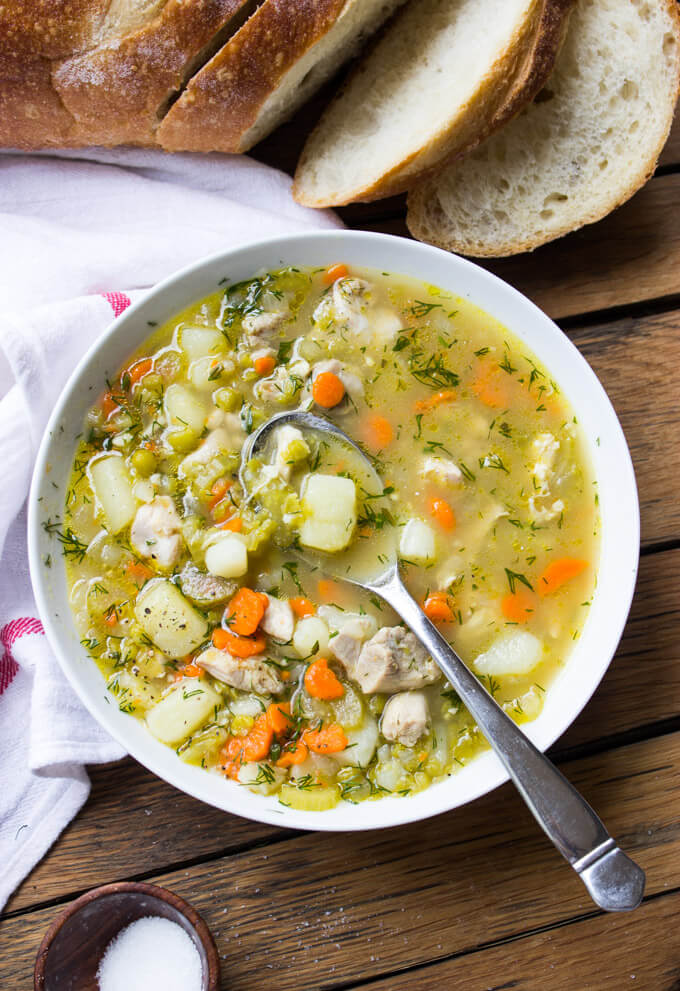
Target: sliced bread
432, 87
584, 146
281, 55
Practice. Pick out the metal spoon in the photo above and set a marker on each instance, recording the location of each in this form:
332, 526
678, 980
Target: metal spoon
614, 881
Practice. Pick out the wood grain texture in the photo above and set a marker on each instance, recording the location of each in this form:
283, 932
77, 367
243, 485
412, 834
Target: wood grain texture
609, 953
148, 823
625, 354
322, 910
642, 686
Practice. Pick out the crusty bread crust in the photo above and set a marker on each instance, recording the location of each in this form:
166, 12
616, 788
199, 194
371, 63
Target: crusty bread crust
509, 84
32, 32
68, 79
50, 29
427, 222
223, 100
117, 92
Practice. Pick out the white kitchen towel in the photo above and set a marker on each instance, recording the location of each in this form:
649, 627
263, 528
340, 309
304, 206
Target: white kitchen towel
78, 232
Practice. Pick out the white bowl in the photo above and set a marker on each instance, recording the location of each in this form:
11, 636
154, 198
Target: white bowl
606, 445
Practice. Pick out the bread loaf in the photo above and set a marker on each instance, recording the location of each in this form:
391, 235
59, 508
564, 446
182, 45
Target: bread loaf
445, 73
267, 70
94, 72
197, 75
584, 146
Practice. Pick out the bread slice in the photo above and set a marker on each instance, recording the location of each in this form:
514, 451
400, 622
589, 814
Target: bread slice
119, 90
584, 146
267, 70
433, 86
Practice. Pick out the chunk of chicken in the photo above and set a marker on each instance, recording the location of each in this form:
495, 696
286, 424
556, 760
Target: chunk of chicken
346, 305
155, 532
291, 448
393, 660
441, 470
217, 442
404, 718
542, 506
346, 645
260, 329
349, 305
248, 674
278, 621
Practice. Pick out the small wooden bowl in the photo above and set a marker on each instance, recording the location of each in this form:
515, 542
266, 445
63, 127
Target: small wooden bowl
72, 949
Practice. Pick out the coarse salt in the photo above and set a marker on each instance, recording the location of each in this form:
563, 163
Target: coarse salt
148, 954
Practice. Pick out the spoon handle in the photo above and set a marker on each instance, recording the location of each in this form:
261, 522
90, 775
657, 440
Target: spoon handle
614, 881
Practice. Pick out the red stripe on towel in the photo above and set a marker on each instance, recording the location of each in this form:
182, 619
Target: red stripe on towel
9, 634
118, 300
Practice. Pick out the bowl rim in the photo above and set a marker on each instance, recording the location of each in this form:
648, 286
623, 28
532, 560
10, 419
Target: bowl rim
193, 917
407, 808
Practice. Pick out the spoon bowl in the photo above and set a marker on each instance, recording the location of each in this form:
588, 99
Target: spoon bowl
614, 881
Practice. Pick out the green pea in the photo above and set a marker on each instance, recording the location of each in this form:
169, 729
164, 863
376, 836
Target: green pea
227, 399
183, 440
144, 462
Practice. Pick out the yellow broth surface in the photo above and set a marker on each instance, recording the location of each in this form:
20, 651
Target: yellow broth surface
207, 608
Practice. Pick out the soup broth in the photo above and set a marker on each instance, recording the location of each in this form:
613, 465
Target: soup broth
199, 587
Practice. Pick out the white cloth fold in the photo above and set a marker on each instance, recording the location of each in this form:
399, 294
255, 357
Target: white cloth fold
78, 232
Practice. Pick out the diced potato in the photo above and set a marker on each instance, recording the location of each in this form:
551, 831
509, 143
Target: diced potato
112, 487
361, 744
263, 777
197, 342
169, 619
184, 408
200, 372
227, 557
515, 653
182, 711
417, 542
132, 694
311, 632
329, 503
309, 799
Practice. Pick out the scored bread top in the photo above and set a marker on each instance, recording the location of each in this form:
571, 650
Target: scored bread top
582, 148
277, 59
118, 91
433, 86
79, 72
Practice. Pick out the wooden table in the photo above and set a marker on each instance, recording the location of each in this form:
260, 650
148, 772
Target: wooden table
475, 899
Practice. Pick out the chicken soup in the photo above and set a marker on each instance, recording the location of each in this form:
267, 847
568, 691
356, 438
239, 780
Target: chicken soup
198, 584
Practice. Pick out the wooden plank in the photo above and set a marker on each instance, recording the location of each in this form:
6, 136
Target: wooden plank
320, 910
608, 953
625, 354
178, 828
642, 685
150, 826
